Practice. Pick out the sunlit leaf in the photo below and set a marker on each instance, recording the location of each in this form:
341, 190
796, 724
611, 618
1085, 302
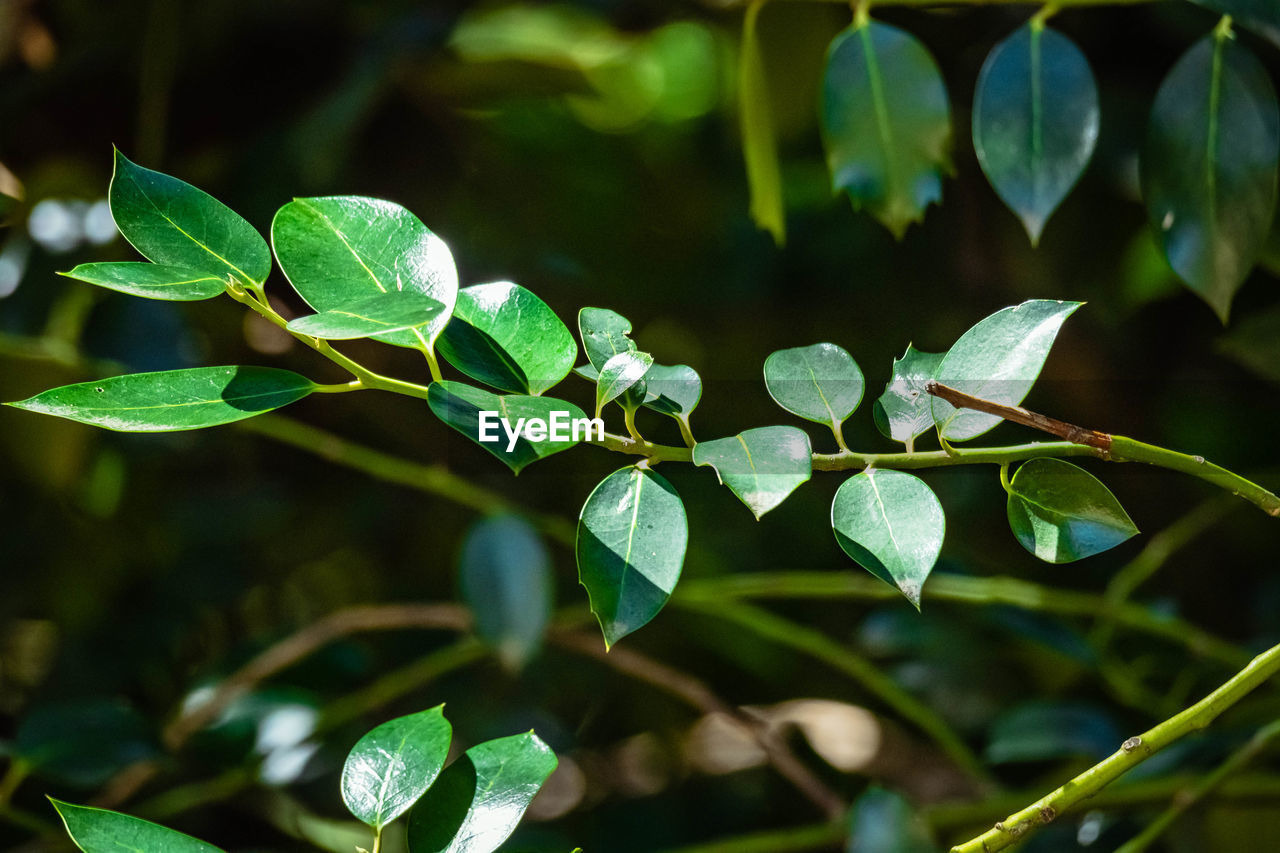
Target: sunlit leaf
761, 466
820, 383
460, 406
505, 577
151, 281
371, 315
620, 373
672, 389
604, 335
101, 831
759, 147
392, 766
904, 410
1062, 513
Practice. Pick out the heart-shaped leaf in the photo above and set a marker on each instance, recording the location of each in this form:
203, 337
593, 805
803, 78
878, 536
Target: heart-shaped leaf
892, 525
503, 335
101, 831
338, 249
620, 373
820, 383
505, 577
761, 466
759, 148
632, 535
1062, 513
392, 766
904, 411
1035, 121
604, 335
998, 359
152, 281
172, 400
541, 425
886, 123
1209, 166
171, 222
477, 802
371, 315
1261, 16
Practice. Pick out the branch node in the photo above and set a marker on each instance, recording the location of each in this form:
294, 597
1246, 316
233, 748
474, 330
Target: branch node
1131, 744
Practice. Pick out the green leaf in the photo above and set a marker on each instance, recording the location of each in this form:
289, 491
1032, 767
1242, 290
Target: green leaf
83, 742
171, 222
171, 400
903, 411
479, 799
759, 148
999, 359
1261, 16
1035, 121
886, 123
503, 335
884, 822
338, 249
460, 405
892, 525
1209, 167
632, 535
673, 390
761, 466
1255, 343
1062, 513
506, 580
620, 373
604, 335
151, 281
371, 315
1044, 731
820, 383
392, 766
101, 831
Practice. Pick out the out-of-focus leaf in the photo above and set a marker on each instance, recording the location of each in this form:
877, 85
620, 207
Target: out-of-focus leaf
371, 315
151, 281
392, 766
460, 406
884, 822
102, 831
1255, 343
820, 383
759, 147
1062, 513
82, 742
1040, 731
904, 410
1261, 16
505, 576
761, 466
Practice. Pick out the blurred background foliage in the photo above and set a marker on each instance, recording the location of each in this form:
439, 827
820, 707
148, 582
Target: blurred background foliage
590, 151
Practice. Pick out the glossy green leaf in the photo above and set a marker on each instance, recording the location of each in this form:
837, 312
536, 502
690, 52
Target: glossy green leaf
632, 535
999, 359
620, 373
674, 390
886, 123
1062, 513
171, 222
101, 831
338, 249
1209, 167
371, 315
904, 410
506, 580
391, 767
503, 335
761, 466
892, 525
759, 147
171, 400
1261, 16
151, 281
604, 335
884, 822
820, 383
1035, 121
477, 802
460, 406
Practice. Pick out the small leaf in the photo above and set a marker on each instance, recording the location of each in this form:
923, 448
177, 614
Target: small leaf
672, 390
884, 822
505, 576
632, 535
620, 373
171, 222
460, 405
820, 383
998, 359
1209, 166
503, 335
173, 399
604, 335
759, 148
886, 123
151, 281
479, 799
392, 766
1035, 121
371, 315
1261, 16
892, 525
1062, 513
101, 831
904, 411
761, 466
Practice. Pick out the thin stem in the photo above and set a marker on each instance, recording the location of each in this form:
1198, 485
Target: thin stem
377, 841
629, 418
18, 770
837, 429
686, 432
819, 836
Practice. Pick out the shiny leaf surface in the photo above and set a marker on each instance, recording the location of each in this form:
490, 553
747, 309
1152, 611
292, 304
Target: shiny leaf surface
904, 410
372, 315
604, 334
1062, 513
151, 281
505, 577
620, 373
101, 831
460, 405
674, 390
761, 466
391, 767
820, 383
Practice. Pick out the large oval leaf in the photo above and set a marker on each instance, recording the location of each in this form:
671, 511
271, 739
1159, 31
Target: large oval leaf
101, 831
1209, 166
1062, 513
904, 411
152, 281
503, 335
998, 359
392, 766
171, 222
604, 335
632, 535
460, 406
886, 123
477, 802
892, 525
338, 249
619, 374
171, 400
761, 466
820, 383
1035, 121
505, 576
371, 315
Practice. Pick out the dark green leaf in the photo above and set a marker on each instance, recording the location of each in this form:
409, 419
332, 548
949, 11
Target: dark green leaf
1261, 16
619, 374
883, 822
904, 411
460, 406
371, 315
171, 222
503, 335
886, 123
1062, 513
479, 799
392, 766
1255, 343
1040, 731
506, 580
632, 535
820, 383
759, 147
83, 742
604, 335
173, 399
892, 525
1035, 121
673, 390
101, 831
761, 466
1209, 166
151, 281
